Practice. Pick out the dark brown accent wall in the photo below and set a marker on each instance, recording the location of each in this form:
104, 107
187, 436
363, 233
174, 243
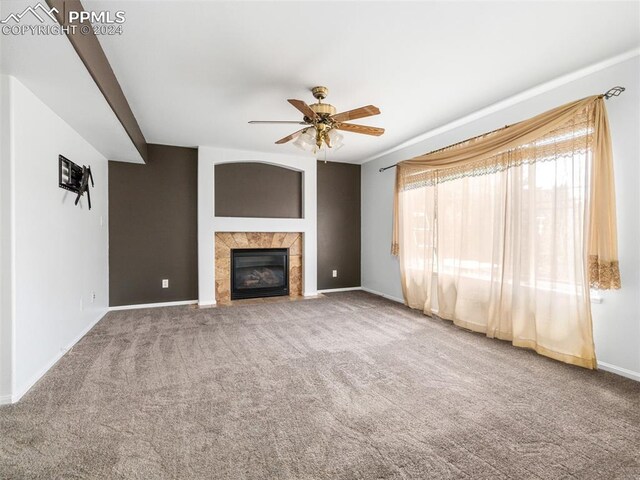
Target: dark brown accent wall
153, 227
338, 225
250, 189
90, 51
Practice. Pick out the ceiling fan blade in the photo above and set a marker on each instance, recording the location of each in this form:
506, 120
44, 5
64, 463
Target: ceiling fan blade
361, 112
289, 137
352, 127
303, 107
294, 122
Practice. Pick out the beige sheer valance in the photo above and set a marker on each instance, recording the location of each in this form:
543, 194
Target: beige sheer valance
549, 135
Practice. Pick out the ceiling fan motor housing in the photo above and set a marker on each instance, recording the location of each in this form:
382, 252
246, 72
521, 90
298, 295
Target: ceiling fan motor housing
323, 109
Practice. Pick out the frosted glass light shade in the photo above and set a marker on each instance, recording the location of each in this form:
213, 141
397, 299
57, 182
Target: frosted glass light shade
336, 139
306, 140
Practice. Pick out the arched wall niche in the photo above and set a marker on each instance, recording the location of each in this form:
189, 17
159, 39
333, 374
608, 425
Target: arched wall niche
258, 189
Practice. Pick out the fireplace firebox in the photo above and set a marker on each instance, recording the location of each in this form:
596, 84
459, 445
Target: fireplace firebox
259, 272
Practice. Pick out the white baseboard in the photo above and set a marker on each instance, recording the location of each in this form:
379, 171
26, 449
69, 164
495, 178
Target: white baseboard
156, 305
20, 391
5, 399
310, 294
333, 290
206, 304
607, 367
390, 297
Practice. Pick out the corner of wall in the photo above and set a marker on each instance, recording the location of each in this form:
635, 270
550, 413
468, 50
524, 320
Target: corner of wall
6, 242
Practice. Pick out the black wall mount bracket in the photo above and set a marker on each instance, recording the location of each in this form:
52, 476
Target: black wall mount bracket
74, 178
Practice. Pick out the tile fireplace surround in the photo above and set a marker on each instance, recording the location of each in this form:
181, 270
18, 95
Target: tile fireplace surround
225, 241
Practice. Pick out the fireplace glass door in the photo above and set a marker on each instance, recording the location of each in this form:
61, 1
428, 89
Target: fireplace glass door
259, 272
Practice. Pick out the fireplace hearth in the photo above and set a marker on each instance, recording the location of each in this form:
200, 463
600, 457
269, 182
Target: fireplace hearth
259, 272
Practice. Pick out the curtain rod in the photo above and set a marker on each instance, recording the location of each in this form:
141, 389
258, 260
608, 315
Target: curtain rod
612, 92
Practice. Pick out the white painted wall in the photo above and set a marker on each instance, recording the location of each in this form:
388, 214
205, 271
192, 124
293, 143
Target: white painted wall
59, 251
617, 318
208, 223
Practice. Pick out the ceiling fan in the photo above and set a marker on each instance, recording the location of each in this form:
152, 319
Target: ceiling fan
322, 122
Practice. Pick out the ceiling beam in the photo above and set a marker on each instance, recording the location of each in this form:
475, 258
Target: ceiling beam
92, 55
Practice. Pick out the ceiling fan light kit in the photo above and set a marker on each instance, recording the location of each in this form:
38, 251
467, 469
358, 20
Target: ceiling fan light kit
306, 139
323, 123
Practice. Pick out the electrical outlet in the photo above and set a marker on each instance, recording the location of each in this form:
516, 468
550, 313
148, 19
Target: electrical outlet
93, 297
335, 273
165, 283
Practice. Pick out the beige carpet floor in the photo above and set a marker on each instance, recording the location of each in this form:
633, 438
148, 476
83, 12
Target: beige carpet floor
350, 386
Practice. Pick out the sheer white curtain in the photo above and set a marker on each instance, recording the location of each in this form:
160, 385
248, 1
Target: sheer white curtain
501, 248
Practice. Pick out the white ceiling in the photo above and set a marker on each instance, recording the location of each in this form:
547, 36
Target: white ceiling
195, 72
49, 66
